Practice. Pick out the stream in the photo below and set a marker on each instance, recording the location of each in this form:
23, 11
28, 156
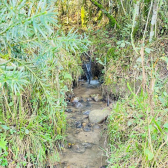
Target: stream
86, 141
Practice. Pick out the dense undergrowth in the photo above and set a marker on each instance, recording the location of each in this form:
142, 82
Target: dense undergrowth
39, 59
137, 133
137, 126
38, 63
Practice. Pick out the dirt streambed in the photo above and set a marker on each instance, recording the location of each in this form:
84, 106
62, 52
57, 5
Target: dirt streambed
86, 141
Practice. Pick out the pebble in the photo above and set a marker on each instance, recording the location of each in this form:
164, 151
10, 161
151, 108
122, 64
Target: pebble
68, 110
87, 128
81, 100
87, 104
78, 148
75, 100
87, 145
83, 124
78, 124
86, 112
96, 98
78, 105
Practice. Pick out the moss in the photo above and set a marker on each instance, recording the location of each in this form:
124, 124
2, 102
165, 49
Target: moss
111, 54
146, 7
112, 21
83, 17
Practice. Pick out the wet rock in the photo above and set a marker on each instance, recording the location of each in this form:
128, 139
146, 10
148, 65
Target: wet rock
86, 112
75, 99
68, 110
78, 148
89, 99
87, 145
98, 116
87, 128
78, 124
78, 105
87, 104
81, 100
96, 98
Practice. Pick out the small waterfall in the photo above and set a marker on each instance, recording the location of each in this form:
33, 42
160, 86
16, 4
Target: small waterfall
88, 71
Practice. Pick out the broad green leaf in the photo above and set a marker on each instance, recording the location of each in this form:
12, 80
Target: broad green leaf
157, 125
149, 154
108, 45
11, 104
122, 45
148, 50
67, 76
164, 59
26, 131
129, 123
139, 59
5, 127
165, 125
3, 143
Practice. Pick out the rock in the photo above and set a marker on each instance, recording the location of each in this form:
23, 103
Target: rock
89, 99
75, 99
78, 105
78, 124
84, 124
87, 145
87, 128
68, 110
98, 116
78, 148
87, 104
96, 98
81, 100
86, 112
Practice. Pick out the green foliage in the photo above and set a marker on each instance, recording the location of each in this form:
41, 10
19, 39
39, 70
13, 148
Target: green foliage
38, 63
83, 16
137, 137
112, 20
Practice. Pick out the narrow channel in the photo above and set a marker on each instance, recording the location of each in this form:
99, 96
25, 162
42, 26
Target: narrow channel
86, 131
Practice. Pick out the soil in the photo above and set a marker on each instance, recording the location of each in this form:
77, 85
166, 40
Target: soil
86, 142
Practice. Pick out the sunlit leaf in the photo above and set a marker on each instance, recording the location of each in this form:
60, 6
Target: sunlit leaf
149, 154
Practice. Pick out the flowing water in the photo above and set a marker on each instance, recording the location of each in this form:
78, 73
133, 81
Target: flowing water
88, 71
86, 142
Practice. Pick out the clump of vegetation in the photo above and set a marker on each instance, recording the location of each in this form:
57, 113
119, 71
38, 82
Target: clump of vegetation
138, 133
39, 60
38, 63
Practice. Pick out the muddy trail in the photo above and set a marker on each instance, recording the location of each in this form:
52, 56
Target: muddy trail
86, 131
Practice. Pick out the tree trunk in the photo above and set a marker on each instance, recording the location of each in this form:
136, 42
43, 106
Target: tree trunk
136, 17
153, 21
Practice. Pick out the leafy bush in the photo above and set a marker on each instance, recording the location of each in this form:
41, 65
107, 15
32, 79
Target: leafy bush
37, 65
137, 133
